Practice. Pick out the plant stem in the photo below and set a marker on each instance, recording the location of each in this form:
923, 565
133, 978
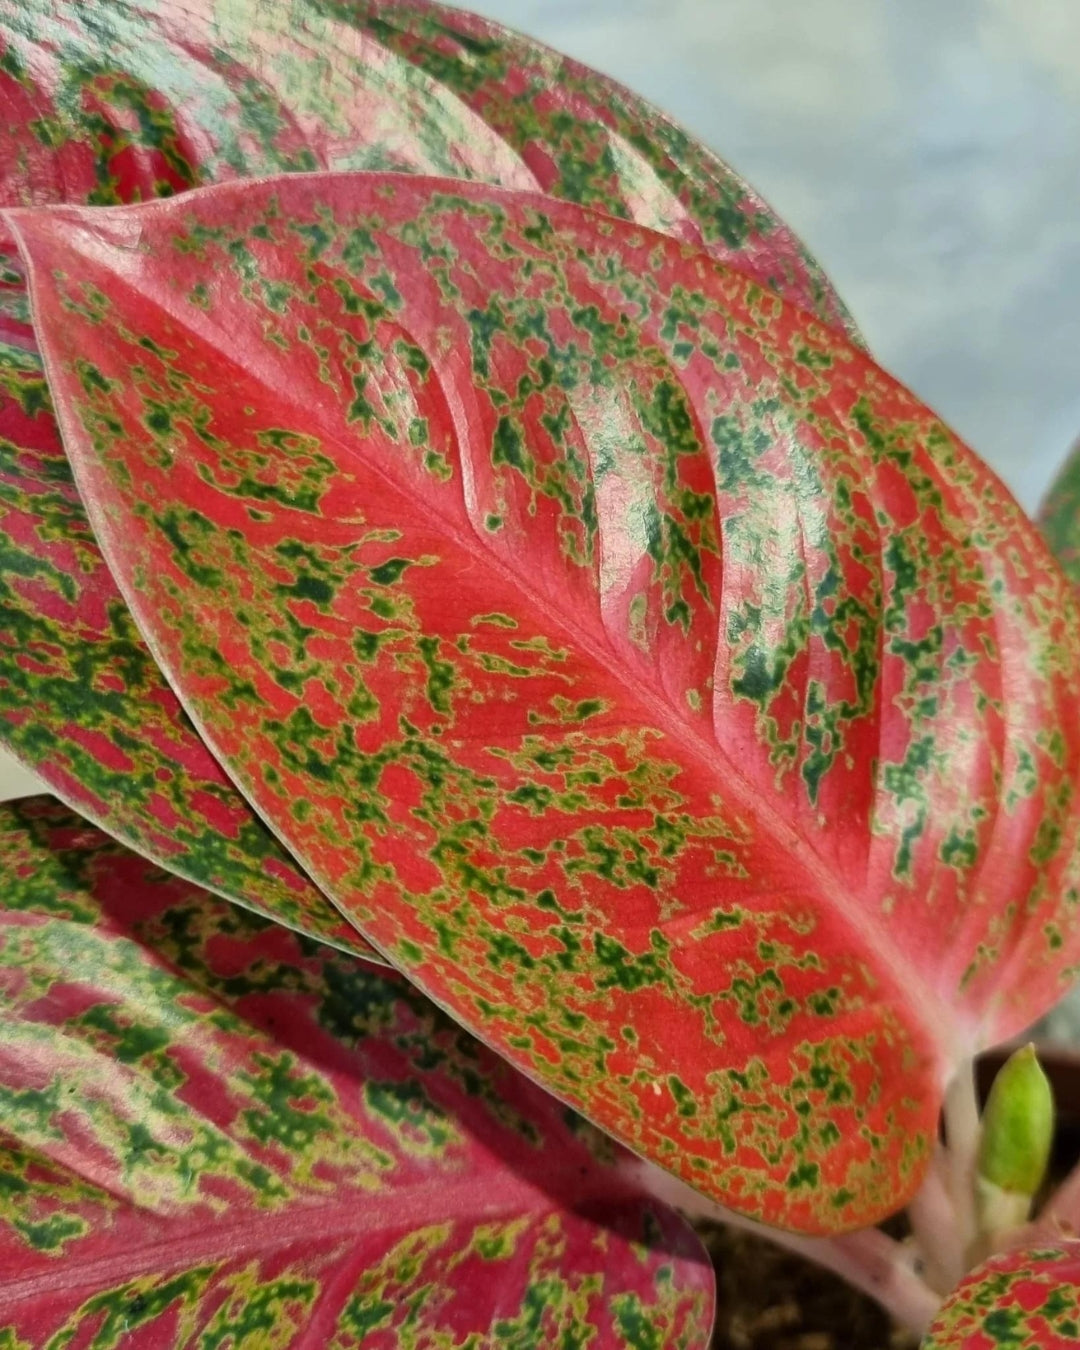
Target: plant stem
962, 1144
934, 1226
1060, 1215
869, 1260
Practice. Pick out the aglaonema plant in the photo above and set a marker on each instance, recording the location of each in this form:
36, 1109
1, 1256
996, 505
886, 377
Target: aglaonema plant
564, 611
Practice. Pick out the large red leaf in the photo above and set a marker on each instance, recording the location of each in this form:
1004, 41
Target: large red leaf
1025, 1300
121, 101
647, 673
214, 1132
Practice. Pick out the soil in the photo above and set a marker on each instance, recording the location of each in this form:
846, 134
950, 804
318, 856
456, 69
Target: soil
769, 1299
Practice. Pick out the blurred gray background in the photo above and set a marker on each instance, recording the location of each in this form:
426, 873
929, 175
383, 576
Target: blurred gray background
928, 152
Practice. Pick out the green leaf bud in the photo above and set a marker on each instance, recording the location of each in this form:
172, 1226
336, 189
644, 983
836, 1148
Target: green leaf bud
1017, 1126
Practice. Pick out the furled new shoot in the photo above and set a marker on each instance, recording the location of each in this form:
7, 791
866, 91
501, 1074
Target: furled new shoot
1014, 1149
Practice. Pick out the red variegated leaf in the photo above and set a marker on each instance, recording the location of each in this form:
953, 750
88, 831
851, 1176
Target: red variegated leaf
648, 675
1026, 1300
215, 1132
589, 140
1059, 516
121, 101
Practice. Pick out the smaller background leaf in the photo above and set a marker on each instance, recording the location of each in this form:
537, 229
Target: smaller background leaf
592, 141
1026, 1300
1059, 516
118, 102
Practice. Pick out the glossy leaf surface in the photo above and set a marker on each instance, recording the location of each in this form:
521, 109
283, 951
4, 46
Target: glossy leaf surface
120, 101
1026, 1300
1059, 516
215, 1132
648, 674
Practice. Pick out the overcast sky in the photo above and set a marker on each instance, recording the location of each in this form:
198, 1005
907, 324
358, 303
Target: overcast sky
928, 151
